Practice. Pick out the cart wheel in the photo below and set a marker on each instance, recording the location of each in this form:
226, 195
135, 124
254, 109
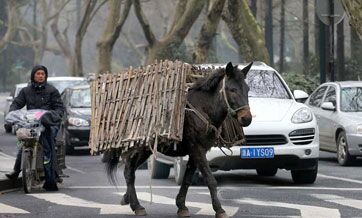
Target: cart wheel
26, 171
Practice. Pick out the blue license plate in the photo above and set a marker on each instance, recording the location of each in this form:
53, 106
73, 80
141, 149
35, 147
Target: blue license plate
259, 152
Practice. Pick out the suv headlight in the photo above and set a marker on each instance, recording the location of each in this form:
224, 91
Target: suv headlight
302, 115
77, 121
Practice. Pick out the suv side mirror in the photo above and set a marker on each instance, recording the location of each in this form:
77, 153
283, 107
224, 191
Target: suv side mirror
300, 96
328, 106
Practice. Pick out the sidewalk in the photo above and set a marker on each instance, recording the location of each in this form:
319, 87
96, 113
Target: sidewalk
6, 165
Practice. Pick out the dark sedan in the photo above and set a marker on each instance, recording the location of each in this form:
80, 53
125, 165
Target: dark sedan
75, 127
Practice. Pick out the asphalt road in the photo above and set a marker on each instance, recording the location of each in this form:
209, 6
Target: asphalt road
88, 193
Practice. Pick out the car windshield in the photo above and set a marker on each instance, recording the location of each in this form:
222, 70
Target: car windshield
351, 99
80, 98
63, 84
266, 84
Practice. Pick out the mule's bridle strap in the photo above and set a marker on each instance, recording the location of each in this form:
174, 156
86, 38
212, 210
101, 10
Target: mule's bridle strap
210, 126
231, 111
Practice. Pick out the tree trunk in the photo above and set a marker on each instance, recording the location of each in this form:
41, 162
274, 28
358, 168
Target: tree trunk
340, 51
353, 10
316, 29
269, 30
11, 24
111, 33
305, 37
246, 31
282, 36
170, 43
208, 32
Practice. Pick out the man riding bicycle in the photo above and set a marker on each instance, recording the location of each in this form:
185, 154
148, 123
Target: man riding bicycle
41, 95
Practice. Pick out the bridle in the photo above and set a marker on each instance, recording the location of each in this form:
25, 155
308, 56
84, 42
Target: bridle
231, 112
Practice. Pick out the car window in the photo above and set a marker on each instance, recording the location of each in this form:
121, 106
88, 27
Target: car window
351, 99
317, 96
266, 84
80, 98
331, 95
63, 84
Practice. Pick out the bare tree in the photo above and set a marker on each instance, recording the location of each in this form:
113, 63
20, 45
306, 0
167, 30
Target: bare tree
353, 9
74, 56
282, 37
245, 31
187, 11
113, 27
11, 24
208, 31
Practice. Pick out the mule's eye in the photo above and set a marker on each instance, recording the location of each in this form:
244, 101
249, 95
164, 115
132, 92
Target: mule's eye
232, 89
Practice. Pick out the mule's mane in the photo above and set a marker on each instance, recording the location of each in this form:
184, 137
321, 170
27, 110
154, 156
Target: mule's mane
211, 82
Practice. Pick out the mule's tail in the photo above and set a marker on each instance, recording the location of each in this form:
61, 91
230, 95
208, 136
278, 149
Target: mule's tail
112, 161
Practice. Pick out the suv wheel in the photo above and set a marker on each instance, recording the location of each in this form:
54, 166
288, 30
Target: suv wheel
179, 168
158, 169
304, 176
343, 156
266, 171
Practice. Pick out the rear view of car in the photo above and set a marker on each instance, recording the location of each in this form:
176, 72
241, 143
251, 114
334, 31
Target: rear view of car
9, 126
75, 128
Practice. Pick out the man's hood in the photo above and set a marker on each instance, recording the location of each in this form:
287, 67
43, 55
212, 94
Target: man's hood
36, 68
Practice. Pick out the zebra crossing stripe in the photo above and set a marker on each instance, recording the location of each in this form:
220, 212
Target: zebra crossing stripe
340, 200
204, 208
306, 211
66, 200
9, 209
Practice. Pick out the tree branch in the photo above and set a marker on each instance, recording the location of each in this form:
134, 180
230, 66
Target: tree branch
12, 21
150, 37
208, 31
180, 9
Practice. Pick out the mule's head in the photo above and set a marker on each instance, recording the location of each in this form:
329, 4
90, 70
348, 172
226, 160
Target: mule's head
235, 92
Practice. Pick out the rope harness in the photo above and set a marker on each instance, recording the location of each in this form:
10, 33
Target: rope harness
231, 115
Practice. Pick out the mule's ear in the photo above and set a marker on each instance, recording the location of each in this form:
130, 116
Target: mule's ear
229, 70
246, 69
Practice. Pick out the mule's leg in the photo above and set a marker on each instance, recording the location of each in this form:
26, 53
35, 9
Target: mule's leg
140, 159
183, 211
129, 173
204, 167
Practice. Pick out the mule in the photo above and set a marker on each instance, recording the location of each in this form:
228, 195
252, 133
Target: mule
209, 101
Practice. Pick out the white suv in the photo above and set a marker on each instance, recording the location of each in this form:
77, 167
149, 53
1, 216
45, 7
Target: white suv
282, 135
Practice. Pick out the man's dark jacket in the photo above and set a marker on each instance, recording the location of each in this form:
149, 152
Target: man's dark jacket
39, 96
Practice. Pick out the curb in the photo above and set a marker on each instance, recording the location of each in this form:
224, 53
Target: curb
6, 184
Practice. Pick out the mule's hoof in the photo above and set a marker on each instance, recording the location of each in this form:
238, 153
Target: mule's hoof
124, 201
221, 215
140, 212
183, 213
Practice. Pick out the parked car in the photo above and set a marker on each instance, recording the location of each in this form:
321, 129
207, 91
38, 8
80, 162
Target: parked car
338, 108
283, 132
9, 100
75, 127
58, 82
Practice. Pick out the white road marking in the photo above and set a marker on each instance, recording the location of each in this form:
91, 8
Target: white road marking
205, 208
306, 211
9, 209
66, 200
221, 187
340, 200
340, 178
75, 170
6, 156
